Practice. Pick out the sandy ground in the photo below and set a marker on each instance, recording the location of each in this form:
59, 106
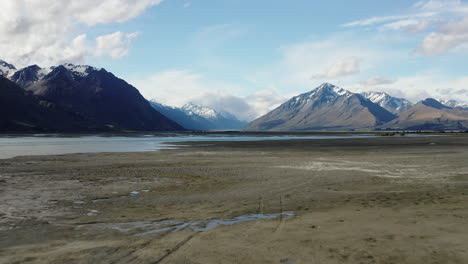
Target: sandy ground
382, 200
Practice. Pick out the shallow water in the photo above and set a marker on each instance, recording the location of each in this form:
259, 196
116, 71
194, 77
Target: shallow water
12, 146
145, 228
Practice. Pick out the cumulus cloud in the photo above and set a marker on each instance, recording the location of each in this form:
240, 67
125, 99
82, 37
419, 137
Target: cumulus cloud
340, 68
235, 105
172, 87
178, 87
114, 45
453, 94
331, 60
377, 80
245, 108
49, 32
449, 36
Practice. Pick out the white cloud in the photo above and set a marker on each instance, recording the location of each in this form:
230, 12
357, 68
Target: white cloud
172, 87
264, 101
114, 45
245, 108
409, 25
93, 12
373, 20
385, 19
449, 36
340, 68
178, 87
39, 31
439, 5
334, 59
377, 80
448, 17
421, 86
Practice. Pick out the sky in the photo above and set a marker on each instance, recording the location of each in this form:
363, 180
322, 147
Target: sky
247, 57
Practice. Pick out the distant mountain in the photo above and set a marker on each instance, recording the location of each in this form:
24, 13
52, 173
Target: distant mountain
95, 94
392, 104
6, 69
328, 107
430, 114
196, 117
454, 104
217, 119
22, 112
179, 116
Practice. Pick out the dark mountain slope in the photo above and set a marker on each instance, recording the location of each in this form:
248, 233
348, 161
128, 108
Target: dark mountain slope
23, 112
100, 95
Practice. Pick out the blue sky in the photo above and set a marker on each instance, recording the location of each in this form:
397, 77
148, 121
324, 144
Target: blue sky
247, 57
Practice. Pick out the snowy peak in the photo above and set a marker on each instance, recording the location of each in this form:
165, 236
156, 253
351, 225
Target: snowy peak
205, 112
28, 75
197, 117
325, 93
32, 74
80, 70
6, 69
454, 104
392, 104
331, 89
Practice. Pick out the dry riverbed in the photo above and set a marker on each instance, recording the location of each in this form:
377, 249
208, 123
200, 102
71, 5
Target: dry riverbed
379, 200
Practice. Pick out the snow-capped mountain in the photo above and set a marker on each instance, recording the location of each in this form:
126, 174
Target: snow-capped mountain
80, 70
32, 74
6, 69
430, 114
325, 93
454, 104
29, 75
92, 94
36, 72
392, 104
205, 112
197, 117
326, 107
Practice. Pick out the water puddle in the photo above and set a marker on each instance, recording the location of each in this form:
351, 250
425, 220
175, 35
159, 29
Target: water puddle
138, 192
144, 228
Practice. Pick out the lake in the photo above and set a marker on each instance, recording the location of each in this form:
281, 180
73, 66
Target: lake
55, 144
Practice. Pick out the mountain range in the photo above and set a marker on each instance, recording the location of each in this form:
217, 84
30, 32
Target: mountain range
100, 99
81, 98
329, 107
196, 117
